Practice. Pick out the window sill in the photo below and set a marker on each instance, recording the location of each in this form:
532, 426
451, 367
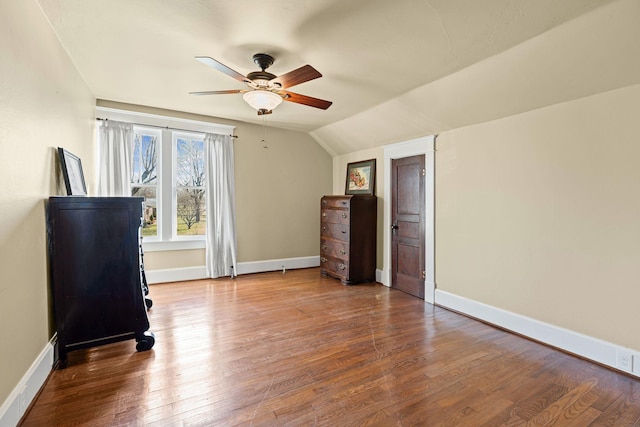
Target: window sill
174, 245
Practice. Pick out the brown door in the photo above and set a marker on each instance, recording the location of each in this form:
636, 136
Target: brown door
408, 225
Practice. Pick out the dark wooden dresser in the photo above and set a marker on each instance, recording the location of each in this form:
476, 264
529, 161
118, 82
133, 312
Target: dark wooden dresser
348, 238
94, 258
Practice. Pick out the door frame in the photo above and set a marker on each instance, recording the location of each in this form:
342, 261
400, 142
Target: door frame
413, 147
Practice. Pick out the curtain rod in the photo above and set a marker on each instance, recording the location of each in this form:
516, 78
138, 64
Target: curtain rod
162, 127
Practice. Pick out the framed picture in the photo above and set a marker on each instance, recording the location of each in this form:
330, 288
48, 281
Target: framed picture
361, 177
72, 172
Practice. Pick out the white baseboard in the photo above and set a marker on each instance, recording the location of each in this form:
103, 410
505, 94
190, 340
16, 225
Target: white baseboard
379, 276
278, 264
23, 394
594, 349
175, 274
200, 272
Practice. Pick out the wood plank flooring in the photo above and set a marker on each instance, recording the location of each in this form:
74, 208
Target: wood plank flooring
299, 349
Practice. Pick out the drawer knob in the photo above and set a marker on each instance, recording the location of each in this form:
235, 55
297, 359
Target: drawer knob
344, 215
323, 247
324, 202
324, 228
343, 252
342, 266
324, 214
344, 231
323, 259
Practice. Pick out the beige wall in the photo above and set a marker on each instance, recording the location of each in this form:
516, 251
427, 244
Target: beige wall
278, 191
539, 214
44, 103
173, 259
339, 183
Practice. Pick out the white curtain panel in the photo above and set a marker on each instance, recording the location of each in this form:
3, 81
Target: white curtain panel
115, 146
222, 244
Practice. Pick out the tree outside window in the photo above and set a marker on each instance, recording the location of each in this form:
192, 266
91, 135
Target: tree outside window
190, 186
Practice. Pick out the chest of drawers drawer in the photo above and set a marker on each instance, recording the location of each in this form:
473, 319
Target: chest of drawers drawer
334, 202
334, 267
335, 231
335, 216
334, 248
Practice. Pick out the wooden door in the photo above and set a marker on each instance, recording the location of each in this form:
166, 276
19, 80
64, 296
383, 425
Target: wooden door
408, 225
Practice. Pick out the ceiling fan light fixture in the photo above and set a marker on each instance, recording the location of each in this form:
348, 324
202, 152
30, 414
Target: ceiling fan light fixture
262, 99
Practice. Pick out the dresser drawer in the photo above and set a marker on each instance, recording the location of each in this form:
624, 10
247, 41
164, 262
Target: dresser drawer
335, 267
335, 202
335, 231
337, 216
335, 249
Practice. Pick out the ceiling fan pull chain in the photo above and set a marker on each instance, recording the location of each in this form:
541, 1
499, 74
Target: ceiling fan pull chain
264, 132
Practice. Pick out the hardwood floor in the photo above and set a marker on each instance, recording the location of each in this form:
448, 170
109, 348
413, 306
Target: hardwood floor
299, 349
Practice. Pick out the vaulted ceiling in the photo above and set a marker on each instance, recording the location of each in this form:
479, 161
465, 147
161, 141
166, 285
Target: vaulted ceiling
393, 69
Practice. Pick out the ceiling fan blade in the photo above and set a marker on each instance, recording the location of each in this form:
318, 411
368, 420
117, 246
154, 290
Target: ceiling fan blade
217, 92
305, 100
297, 76
221, 67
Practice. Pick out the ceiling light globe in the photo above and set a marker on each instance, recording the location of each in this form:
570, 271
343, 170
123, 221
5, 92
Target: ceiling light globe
262, 99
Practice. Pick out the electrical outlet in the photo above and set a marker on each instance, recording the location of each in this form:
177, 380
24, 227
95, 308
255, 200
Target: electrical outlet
624, 360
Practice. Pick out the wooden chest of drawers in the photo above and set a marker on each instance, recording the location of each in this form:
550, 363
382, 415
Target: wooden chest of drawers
348, 238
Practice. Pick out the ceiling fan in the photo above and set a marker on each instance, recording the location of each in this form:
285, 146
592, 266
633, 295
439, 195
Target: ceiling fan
266, 91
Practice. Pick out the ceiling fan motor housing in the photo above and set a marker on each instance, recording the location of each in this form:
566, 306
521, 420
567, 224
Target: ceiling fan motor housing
261, 78
260, 75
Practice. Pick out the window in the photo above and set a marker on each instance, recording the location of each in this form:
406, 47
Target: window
181, 214
144, 175
185, 216
189, 185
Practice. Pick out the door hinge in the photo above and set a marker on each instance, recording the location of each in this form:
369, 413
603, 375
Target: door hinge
424, 172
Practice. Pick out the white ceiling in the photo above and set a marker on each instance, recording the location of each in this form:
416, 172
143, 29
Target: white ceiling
393, 69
